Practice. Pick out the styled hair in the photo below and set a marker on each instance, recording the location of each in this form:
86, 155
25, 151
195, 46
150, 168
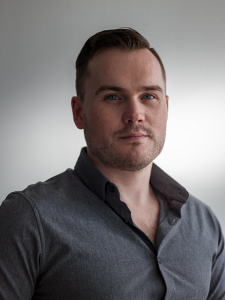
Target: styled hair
126, 39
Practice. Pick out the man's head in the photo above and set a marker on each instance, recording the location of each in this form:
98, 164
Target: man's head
124, 38
124, 107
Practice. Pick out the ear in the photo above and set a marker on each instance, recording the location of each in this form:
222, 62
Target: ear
76, 105
167, 102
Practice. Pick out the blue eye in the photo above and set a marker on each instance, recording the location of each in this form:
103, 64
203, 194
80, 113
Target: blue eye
148, 96
112, 97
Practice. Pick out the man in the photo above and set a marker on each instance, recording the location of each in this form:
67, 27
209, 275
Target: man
117, 226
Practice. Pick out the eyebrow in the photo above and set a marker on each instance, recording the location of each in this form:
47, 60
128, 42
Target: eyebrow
119, 89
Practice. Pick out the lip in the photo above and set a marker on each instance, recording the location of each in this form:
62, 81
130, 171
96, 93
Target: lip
134, 136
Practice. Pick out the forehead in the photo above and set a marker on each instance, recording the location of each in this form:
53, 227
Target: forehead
121, 66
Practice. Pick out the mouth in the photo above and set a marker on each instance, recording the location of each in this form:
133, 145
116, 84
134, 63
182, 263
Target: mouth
134, 136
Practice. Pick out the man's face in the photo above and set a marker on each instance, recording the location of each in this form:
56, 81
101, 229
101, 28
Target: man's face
124, 112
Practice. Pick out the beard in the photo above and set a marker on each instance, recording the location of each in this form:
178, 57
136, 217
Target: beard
134, 159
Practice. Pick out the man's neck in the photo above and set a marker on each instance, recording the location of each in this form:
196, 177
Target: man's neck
133, 186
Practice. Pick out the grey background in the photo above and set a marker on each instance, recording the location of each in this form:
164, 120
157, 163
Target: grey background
39, 43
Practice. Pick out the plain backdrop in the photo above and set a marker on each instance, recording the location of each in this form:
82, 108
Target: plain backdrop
39, 43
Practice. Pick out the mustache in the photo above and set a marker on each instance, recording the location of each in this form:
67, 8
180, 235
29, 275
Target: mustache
134, 128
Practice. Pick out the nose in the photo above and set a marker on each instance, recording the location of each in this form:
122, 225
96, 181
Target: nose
134, 112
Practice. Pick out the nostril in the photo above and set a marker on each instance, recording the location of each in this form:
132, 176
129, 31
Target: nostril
131, 117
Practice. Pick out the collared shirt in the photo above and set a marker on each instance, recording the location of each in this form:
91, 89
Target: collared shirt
71, 237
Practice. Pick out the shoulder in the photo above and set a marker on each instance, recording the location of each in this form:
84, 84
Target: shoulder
40, 196
52, 189
201, 218
23, 211
53, 185
198, 209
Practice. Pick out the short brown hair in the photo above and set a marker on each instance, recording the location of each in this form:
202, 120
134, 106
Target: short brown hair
122, 38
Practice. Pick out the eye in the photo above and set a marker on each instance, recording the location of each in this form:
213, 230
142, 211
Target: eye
112, 97
148, 97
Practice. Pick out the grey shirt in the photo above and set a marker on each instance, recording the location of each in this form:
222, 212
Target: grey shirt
71, 237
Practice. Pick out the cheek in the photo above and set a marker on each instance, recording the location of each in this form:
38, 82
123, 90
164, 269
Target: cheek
98, 123
104, 119
158, 119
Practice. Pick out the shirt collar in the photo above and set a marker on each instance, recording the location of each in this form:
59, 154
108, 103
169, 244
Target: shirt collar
167, 186
96, 181
90, 174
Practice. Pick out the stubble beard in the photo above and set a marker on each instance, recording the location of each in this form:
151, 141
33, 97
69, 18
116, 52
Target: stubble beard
134, 160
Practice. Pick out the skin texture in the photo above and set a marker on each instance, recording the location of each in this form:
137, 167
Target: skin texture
124, 124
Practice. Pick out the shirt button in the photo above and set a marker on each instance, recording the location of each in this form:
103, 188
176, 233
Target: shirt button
112, 189
172, 221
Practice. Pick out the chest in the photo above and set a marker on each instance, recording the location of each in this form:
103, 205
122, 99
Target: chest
146, 218
104, 259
